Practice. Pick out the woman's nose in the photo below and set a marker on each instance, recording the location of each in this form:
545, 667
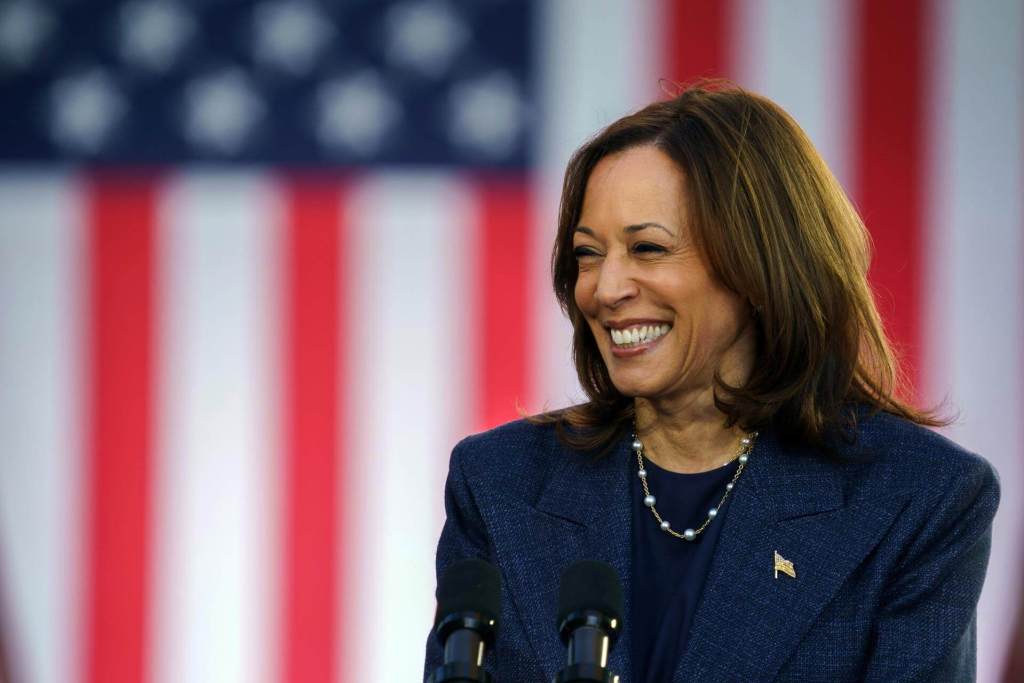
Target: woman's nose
615, 284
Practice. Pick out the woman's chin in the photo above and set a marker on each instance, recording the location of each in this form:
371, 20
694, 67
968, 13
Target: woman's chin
637, 387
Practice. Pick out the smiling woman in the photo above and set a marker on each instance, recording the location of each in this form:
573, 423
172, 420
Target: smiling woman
744, 460
748, 200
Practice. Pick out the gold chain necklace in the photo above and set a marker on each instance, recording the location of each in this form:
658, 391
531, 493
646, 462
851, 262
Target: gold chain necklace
746, 446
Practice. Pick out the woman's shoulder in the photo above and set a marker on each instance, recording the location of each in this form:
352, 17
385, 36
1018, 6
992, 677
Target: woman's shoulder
516, 455
515, 435
893, 454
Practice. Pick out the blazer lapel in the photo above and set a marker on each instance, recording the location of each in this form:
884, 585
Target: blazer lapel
748, 622
583, 513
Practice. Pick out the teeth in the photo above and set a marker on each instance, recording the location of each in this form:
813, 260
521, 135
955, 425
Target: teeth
638, 335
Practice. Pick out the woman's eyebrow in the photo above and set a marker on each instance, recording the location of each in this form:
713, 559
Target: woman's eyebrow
643, 226
628, 229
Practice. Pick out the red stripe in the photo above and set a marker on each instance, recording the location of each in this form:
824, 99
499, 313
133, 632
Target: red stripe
697, 39
121, 226
312, 432
504, 312
889, 165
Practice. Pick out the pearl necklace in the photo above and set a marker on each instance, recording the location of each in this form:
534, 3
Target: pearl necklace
746, 446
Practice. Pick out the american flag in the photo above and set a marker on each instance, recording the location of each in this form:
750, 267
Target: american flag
263, 263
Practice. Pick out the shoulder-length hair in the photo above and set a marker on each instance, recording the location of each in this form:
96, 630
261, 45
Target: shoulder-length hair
777, 229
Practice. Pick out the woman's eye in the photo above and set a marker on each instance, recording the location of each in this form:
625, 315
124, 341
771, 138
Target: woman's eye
648, 248
581, 252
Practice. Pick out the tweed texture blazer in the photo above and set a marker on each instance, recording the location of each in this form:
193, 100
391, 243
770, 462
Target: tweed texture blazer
889, 541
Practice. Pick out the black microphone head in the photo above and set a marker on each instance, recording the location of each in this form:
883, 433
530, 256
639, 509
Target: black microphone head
469, 586
590, 585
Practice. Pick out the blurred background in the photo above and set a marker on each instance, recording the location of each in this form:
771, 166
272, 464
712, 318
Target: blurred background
262, 264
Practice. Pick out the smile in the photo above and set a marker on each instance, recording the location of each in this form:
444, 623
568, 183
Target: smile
637, 335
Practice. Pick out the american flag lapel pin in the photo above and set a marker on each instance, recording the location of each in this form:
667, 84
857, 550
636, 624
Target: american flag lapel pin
783, 565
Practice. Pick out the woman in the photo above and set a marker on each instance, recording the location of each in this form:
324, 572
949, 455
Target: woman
774, 510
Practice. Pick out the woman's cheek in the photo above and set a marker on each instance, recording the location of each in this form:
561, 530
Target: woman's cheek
584, 292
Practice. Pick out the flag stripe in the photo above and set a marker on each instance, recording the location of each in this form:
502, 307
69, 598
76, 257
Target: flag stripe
312, 430
409, 388
699, 40
215, 546
503, 309
889, 134
974, 276
121, 341
39, 369
775, 39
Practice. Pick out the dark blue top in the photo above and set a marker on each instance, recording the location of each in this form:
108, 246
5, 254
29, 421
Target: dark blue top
669, 572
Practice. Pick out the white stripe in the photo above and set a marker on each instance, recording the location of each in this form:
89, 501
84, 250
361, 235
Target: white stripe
598, 60
797, 54
216, 546
411, 239
974, 281
40, 333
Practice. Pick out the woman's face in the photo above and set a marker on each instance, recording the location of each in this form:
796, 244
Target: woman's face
662, 321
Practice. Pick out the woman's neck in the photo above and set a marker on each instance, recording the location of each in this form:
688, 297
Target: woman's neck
685, 431
686, 436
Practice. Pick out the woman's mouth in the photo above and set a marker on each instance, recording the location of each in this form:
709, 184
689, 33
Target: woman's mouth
636, 339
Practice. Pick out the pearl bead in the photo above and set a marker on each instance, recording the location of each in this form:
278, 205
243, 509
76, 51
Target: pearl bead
689, 534
665, 526
712, 513
743, 459
649, 501
745, 441
637, 445
641, 473
728, 487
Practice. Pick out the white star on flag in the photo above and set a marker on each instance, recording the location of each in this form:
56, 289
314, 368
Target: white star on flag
290, 35
221, 110
153, 33
84, 109
356, 112
24, 27
486, 115
424, 37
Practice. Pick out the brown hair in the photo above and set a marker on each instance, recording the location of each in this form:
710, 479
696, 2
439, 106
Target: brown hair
776, 228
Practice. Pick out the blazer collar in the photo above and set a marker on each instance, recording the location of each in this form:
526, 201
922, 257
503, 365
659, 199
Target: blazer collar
791, 482
584, 489
747, 622
584, 512
791, 502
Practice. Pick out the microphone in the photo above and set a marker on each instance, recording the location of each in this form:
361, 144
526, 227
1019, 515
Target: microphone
589, 620
468, 605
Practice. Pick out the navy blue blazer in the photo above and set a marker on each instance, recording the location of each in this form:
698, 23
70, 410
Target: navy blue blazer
890, 544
